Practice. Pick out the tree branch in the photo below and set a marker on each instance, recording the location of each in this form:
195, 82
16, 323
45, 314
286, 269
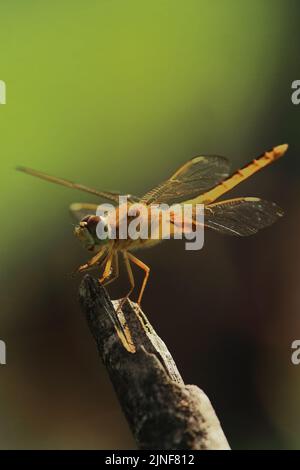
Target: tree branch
163, 412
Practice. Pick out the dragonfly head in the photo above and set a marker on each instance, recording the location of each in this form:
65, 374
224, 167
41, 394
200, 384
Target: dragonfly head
86, 232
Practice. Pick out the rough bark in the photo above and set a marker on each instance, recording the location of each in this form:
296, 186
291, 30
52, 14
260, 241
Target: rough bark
163, 412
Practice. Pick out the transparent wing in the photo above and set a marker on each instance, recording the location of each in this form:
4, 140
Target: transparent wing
241, 216
80, 209
112, 196
193, 178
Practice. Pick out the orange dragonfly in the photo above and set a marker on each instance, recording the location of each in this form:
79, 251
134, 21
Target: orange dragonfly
202, 180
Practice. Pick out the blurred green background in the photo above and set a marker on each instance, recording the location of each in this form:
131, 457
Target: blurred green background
117, 94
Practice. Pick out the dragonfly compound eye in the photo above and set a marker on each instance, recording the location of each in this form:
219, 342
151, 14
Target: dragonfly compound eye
85, 219
90, 223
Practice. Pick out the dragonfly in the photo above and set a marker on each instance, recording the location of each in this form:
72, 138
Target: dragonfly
202, 180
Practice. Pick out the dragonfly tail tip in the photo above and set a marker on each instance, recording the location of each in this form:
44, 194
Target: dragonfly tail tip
281, 149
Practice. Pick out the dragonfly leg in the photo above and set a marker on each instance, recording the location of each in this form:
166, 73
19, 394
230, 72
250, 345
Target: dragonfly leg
108, 267
93, 261
146, 269
130, 277
114, 270
129, 272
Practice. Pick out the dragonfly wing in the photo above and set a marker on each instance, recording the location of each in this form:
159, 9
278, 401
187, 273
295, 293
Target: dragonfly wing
80, 209
193, 178
112, 196
241, 216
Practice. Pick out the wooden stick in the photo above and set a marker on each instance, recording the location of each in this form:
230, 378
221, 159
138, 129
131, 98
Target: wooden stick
163, 412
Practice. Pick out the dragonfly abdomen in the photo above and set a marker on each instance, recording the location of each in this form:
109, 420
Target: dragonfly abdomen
241, 175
